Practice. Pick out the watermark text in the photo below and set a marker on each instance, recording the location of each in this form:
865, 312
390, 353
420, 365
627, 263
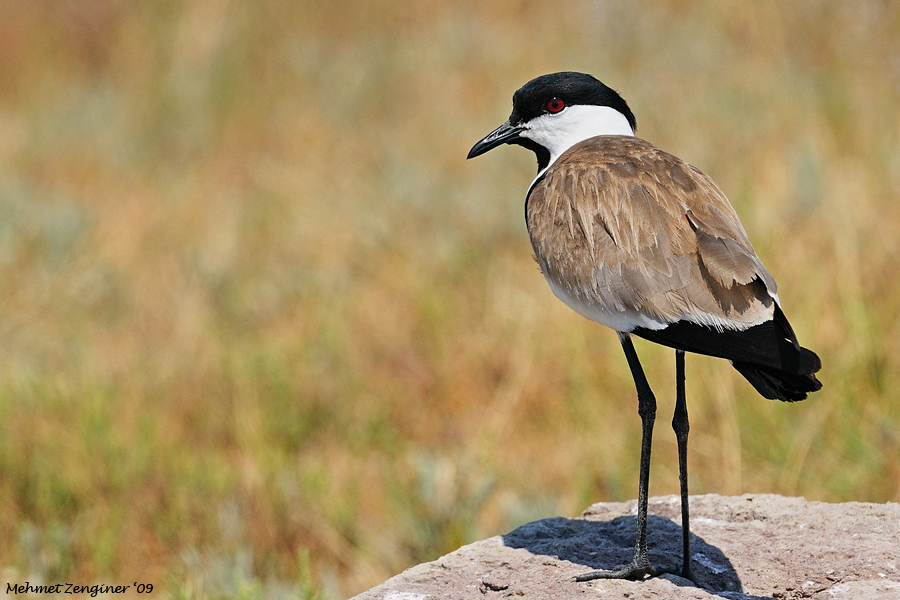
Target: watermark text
71, 588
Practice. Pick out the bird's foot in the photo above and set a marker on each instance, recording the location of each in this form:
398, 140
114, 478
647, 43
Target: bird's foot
636, 570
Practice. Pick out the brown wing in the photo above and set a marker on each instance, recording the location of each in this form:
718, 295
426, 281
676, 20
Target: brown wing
624, 229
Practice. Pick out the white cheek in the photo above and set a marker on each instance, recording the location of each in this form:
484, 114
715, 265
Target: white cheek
557, 133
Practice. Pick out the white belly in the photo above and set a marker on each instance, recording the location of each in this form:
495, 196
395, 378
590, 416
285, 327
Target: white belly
624, 321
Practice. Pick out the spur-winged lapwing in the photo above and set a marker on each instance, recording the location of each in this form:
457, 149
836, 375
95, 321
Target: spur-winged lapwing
638, 240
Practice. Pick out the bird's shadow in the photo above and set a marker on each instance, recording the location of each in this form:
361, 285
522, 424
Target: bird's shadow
609, 544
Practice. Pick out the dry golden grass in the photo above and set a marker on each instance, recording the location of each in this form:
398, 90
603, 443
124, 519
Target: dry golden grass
264, 332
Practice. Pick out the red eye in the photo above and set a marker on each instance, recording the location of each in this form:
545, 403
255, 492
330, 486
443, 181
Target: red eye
554, 105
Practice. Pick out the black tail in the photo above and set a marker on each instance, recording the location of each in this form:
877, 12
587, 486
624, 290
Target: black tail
767, 355
779, 385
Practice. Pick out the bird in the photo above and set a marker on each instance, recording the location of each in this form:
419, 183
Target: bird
642, 242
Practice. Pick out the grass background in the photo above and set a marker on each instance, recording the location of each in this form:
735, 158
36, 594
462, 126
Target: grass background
265, 333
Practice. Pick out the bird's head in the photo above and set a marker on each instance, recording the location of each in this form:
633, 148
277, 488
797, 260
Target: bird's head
554, 112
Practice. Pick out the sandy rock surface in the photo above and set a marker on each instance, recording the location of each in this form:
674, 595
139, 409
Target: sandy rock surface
744, 548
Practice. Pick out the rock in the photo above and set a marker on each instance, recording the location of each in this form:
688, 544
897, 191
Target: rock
750, 547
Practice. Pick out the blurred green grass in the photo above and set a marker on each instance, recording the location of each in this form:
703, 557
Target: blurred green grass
266, 334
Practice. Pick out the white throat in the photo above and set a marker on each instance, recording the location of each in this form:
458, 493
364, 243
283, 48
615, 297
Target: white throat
557, 133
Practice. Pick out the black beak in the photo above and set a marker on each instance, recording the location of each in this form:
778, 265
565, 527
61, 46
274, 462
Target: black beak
502, 135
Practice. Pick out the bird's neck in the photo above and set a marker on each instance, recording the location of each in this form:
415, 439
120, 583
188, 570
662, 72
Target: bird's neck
557, 133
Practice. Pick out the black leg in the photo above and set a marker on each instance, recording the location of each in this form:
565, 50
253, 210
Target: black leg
681, 427
640, 566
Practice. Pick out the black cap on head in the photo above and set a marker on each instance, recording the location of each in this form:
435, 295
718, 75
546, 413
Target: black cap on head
573, 88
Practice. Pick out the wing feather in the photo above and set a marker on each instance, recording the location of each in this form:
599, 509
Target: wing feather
633, 236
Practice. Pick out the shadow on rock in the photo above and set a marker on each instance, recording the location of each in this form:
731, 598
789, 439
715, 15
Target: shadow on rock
608, 544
